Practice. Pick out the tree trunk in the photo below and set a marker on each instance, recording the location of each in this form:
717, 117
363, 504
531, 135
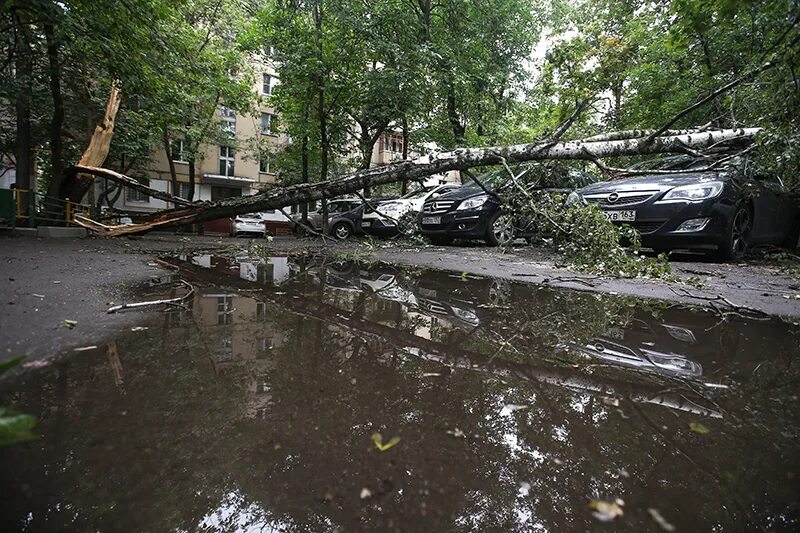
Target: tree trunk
75, 186
404, 186
437, 163
304, 171
173, 175
57, 122
192, 178
23, 78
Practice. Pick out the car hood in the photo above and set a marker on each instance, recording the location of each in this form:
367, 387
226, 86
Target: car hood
462, 193
652, 182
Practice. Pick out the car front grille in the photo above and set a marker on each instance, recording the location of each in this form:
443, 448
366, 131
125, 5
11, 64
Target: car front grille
648, 226
622, 198
437, 206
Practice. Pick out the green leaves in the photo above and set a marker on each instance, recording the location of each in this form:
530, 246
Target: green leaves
15, 428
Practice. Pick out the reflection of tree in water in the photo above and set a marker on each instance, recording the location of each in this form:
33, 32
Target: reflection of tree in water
191, 449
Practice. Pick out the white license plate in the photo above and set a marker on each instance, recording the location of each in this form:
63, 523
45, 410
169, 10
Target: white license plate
431, 220
365, 223
620, 216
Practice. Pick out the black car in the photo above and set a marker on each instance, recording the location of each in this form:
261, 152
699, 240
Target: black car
722, 211
344, 225
470, 213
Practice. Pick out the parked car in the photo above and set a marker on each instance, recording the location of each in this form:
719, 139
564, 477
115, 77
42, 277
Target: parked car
471, 213
722, 211
335, 207
344, 225
403, 211
249, 224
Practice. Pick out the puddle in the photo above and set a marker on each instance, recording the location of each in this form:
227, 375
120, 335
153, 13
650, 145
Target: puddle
256, 406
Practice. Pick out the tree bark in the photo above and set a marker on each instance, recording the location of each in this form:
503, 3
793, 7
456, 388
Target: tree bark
173, 175
57, 122
404, 186
23, 78
460, 159
75, 186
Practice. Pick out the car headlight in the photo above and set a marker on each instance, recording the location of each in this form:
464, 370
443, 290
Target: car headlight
693, 193
473, 203
573, 199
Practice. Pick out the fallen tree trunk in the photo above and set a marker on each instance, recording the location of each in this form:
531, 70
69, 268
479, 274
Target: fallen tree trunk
460, 159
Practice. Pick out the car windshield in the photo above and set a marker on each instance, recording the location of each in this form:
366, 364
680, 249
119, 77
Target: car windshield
535, 177
675, 162
414, 195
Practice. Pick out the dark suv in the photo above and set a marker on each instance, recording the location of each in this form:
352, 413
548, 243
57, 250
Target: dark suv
470, 213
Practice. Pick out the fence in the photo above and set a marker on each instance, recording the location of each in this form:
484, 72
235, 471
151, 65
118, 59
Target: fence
38, 209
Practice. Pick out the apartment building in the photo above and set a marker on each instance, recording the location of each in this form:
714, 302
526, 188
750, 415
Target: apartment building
239, 166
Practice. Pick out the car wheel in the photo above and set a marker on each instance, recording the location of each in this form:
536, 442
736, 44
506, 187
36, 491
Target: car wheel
501, 230
734, 244
341, 231
440, 240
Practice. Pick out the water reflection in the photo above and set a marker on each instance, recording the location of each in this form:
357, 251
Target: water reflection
253, 408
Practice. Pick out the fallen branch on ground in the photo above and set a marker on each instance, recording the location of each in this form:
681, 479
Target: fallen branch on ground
168, 301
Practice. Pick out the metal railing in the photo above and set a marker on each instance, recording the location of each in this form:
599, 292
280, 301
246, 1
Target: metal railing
39, 209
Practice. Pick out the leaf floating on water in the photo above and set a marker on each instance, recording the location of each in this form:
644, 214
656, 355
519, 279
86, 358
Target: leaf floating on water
365, 493
697, 427
613, 402
16, 428
138, 328
431, 375
510, 408
69, 324
524, 488
606, 511
660, 520
377, 438
84, 348
456, 433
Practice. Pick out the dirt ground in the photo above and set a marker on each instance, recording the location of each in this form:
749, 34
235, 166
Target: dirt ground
45, 282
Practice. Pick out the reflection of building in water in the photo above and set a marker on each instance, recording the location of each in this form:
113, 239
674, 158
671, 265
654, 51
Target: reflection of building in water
240, 336
256, 269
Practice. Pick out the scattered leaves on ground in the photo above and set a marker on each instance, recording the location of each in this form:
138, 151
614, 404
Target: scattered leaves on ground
606, 511
69, 324
697, 427
377, 438
365, 493
660, 520
456, 433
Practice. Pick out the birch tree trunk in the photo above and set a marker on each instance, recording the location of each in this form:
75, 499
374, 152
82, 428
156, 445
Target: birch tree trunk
461, 159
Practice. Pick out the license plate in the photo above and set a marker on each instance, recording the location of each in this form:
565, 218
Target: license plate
620, 216
365, 223
431, 220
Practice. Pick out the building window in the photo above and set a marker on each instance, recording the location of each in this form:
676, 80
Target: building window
263, 165
133, 195
225, 350
228, 116
268, 123
385, 143
268, 84
227, 158
183, 190
224, 309
269, 50
218, 193
178, 150
261, 310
